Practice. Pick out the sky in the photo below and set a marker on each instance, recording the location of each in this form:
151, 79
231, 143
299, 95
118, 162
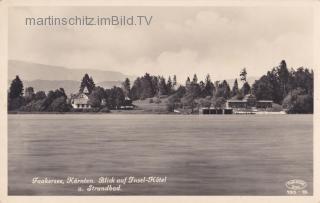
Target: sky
219, 41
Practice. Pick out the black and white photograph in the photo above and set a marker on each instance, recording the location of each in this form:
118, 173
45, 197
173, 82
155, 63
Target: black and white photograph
160, 100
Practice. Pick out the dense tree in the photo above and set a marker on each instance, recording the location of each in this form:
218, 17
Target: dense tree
16, 88
135, 91
302, 78
226, 89
235, 88
96, 96
144, 87
189, 101
92, 82
15, 99
298, 101
279, 81
15, 103
87, 82
56, 101
115, 97
188, 82
192, 93
40, 95
155, 84
174, 101
163, 90
29, 94
147, 90
126, 87
195, 79
246, 89
181, 91
283, 74
223, 90
218, 102
263, 89
273, 78
209, 86
169, 86
174, 82
205, 102
59, 105
202, 89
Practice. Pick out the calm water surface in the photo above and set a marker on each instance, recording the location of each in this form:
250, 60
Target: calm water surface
199, 155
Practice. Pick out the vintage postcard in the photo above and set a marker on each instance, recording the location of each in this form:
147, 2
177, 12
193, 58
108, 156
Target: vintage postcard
159, 101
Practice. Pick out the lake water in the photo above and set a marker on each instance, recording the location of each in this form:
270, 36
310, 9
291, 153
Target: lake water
198, 155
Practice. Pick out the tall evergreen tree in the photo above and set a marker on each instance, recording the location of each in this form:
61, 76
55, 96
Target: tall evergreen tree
16, 88
162, 86
246, 89
147, 90
195, 79
209, 86
235, 88
91, 82
283, 76
202, 86
126, 87
135, 92
87, 82
226, 89
155, 84
192, 93
187, 82
169, 86
174, 82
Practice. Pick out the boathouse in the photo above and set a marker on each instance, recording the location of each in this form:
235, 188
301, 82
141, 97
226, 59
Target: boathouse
249, 101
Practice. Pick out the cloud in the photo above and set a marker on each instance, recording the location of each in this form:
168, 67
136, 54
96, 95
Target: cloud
181, 40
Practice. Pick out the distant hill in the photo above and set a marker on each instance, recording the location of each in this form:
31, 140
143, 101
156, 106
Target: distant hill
46, 77
33, 71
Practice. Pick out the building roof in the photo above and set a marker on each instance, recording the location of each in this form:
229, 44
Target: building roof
249, 96
265, 101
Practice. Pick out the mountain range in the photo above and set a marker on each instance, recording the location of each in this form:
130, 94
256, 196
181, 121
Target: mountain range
48, 77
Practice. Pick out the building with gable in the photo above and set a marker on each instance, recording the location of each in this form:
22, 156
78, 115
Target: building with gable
81, 100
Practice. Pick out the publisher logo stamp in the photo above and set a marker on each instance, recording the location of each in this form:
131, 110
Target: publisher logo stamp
296, 187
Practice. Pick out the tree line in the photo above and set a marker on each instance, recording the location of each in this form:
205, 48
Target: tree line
57, 100
292, 89
54, 101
